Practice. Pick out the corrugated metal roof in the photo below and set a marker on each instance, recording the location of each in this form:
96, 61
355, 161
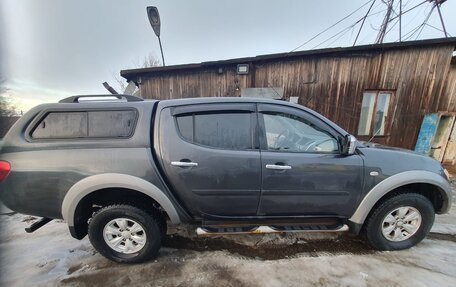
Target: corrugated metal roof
133, 74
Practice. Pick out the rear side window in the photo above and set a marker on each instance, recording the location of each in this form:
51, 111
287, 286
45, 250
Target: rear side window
218, 130
86, 124
62, 125
111, 123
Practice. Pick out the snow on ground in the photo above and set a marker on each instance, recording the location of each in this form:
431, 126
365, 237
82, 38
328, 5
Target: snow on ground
51, 257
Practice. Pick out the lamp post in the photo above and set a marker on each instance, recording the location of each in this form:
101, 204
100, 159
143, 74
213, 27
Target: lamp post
154, 19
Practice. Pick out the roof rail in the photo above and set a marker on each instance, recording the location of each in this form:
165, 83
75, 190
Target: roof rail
75, 99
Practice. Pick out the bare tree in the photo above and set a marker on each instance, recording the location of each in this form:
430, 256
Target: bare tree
147, 62
7, 108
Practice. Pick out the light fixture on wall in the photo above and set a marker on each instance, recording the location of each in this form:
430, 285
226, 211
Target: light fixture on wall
242, 69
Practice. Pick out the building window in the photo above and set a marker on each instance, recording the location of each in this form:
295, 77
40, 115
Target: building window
374, 113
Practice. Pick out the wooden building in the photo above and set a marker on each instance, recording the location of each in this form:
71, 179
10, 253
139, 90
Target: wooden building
383, 90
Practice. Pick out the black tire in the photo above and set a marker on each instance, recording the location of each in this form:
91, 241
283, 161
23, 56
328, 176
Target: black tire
150, 222
373, 225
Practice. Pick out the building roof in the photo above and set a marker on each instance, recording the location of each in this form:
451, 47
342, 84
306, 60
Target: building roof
133, 74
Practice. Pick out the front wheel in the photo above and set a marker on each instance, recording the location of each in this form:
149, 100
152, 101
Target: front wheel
400, 222
125, 233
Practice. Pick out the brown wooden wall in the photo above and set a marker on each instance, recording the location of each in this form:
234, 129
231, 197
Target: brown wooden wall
333, 85
448, 102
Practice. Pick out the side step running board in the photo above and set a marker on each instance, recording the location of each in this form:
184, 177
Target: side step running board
207, 231
40, 223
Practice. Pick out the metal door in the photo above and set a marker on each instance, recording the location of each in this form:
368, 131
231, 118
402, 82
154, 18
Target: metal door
305, 179
209, 157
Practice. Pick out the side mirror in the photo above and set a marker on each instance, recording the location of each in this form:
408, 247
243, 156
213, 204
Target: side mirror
349, 145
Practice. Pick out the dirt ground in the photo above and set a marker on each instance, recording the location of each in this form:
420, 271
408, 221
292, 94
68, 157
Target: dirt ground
51, 257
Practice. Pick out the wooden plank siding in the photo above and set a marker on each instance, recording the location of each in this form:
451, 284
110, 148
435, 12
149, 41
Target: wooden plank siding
333, 85
448, 101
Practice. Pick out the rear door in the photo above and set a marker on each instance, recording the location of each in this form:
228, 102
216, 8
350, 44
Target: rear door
304, 172
211, 157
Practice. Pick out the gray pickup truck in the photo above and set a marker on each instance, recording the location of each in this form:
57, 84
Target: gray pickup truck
121, 170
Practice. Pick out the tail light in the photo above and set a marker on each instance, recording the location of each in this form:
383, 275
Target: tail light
5, 168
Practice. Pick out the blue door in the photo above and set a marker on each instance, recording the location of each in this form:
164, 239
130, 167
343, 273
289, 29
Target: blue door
427, 132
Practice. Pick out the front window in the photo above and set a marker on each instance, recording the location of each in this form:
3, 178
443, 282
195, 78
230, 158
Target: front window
288, 133
374, 117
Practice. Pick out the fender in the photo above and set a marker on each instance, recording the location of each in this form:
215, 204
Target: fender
114, 180
398, 180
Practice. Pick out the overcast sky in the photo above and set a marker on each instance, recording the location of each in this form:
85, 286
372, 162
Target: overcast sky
50, 49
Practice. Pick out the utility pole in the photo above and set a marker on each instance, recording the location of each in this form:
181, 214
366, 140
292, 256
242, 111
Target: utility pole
438, 3
382, 33
400, 20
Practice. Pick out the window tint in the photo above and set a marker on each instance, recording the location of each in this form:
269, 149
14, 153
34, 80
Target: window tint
185, 124
289, 133
62, 125
92, 124
111, 123
218, 130
374, 113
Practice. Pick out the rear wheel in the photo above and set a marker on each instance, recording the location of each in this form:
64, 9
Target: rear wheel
124, 233
400, 222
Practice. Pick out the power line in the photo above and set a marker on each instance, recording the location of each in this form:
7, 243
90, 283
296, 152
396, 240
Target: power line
413, 18
343, 31
386, 20
390, 17
332, 26
405, 5
392, 27
398, 16
349, 29
412, 32
393, 18
427, 24
362, 23
405, 12
440, 16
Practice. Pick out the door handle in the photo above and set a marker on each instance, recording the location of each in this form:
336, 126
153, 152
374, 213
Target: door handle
278, 167
184, 163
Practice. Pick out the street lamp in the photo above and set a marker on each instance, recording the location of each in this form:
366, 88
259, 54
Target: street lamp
154, 19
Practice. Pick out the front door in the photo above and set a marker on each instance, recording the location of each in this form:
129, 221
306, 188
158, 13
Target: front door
210, 158
303, 172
